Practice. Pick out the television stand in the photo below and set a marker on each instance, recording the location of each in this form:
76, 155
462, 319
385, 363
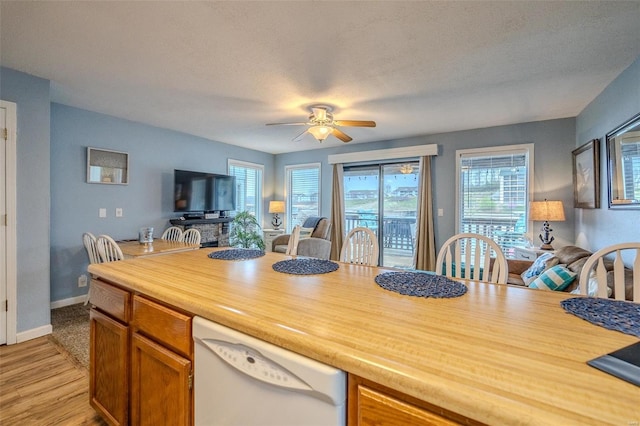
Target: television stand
213, 232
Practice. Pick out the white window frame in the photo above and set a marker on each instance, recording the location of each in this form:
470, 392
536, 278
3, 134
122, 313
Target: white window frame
287, 190
260, 183
527, 148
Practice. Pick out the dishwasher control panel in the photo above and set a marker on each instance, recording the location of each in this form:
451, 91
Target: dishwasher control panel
254, 364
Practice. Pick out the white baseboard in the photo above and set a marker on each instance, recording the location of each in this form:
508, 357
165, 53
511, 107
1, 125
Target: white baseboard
67, 302
34, 333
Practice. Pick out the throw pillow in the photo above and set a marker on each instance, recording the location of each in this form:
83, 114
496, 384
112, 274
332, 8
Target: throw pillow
592, 286
541, 264
305, 233
556, 278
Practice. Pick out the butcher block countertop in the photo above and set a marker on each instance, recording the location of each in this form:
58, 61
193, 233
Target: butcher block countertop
498, 354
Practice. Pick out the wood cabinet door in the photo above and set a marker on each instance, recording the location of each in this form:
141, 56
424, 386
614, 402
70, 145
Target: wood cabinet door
161, 388
109, 365
376, 405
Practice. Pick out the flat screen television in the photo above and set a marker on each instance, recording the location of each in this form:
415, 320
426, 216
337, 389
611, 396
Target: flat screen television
203, 192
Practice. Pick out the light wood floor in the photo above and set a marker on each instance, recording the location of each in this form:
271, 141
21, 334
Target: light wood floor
40, 384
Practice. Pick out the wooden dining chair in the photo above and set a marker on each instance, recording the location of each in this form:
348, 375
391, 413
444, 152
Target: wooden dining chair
360, 247
108, 249
596, 264
469, 256
191, 236
172, 233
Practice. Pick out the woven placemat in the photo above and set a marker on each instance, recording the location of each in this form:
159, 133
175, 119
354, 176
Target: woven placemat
305, 266
420, 284
608, 313
236, 254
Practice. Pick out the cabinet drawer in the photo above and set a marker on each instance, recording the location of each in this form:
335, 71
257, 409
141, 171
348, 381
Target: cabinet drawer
163, 324
111, 299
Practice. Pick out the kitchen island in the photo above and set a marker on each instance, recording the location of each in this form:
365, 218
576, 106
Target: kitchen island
497, 355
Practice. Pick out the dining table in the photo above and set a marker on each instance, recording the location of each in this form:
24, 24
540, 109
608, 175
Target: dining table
135, 249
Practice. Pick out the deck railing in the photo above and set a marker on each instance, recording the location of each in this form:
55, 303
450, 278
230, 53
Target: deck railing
399, 232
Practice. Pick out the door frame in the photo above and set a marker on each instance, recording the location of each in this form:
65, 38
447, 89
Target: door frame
11, 231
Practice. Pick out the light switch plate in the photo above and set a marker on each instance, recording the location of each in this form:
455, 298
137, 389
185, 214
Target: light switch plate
102, 212
118, 212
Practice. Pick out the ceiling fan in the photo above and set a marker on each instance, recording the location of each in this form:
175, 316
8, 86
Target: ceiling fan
322, 124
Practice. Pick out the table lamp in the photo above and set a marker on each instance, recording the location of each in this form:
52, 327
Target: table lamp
546, 211
276, 207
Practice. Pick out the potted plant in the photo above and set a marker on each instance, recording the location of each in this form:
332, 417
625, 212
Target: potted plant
245, 231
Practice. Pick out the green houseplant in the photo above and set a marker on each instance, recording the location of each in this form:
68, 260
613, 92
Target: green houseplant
245, 231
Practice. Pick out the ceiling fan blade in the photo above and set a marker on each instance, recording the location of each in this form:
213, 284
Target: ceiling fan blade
341, 135
355, 123
299, 137
286, 124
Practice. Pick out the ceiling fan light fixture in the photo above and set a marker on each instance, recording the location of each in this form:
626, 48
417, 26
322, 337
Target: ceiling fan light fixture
320, 132
406, 169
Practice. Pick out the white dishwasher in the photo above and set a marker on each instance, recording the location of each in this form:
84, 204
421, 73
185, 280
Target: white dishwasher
244, 381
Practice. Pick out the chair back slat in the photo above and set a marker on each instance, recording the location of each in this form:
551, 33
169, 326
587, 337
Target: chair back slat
360, 247
595, 268
192, 236
109, 250
89, 241
478, 251
172, 233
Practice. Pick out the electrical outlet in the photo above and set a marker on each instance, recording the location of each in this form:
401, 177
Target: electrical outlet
82, 281
102, 212
118, 211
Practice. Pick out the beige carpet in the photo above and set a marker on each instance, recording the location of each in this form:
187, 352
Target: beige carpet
71, 330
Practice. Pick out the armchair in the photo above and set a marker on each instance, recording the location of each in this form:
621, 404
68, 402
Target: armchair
318, 245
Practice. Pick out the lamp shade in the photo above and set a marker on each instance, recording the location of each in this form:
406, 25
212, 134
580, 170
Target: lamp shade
552, 211
276, 206
320, 132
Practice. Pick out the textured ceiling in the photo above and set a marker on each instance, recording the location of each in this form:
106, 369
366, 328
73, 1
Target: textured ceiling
221, 70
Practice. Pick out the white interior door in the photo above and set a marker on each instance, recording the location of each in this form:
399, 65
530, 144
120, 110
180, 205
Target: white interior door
3, 226
8, 224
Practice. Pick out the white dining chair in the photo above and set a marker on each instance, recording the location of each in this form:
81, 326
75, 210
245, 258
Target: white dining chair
468, 255
596, 263
191, 236
172, 233
108, 249
89, 241
90, 244
360, 247
292, 245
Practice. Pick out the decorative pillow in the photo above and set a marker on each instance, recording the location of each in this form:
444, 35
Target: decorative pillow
556, 278
541, 264
305, 233
592, 287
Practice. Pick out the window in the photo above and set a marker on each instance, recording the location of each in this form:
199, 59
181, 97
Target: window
248, 186
302, 193
493, 191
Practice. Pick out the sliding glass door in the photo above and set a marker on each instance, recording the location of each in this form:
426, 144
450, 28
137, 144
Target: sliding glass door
384, 198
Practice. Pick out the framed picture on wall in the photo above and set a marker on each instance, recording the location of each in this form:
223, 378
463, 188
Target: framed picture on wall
105, 166
586, 175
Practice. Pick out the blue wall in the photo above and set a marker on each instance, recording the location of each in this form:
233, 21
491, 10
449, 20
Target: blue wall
146, 201
31, 94
553, 142
597, 228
